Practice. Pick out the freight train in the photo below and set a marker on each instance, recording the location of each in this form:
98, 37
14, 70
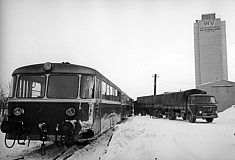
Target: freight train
62, 102
189, 104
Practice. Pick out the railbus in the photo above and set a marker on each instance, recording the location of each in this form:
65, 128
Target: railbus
60, 102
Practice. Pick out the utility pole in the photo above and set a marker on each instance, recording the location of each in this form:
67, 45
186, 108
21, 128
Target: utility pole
155, 83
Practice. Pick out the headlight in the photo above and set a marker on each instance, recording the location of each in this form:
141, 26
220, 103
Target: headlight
18, 111
70, 112
200, 112
47, 66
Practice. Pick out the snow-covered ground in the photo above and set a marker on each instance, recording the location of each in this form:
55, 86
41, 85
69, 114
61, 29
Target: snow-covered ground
145, 138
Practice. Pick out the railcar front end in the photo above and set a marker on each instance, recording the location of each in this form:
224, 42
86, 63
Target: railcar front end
62, 101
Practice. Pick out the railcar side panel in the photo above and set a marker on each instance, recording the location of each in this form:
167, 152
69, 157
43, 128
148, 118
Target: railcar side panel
110, 115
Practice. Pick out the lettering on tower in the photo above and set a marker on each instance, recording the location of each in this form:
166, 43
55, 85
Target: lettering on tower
209, 23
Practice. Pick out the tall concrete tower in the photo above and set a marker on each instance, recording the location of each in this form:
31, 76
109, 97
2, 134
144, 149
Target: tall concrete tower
210, 50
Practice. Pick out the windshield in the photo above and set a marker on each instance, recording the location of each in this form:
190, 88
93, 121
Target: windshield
30, 86
202, 99
65, 86
87, 87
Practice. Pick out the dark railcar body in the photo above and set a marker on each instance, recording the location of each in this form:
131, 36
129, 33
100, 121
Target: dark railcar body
61, 100
127, 105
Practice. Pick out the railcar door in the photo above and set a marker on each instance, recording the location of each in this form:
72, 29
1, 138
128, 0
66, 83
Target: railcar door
97, 119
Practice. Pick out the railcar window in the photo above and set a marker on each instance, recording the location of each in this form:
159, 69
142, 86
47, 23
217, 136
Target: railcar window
31, 86
103, 90
115, 95
119, 96
63, 86
87, 87
108, 92
98, 88
111, 93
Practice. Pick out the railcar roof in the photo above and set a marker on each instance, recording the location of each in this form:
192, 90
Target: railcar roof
57, 68
64, 68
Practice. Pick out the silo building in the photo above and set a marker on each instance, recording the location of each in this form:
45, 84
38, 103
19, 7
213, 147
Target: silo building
211, 71
210, 49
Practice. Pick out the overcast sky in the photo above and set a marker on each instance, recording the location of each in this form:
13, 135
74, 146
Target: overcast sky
126, 40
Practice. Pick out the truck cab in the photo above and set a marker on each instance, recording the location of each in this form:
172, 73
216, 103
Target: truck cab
201, 106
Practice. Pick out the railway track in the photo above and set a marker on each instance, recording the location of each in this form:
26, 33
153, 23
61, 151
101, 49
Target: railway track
75, 151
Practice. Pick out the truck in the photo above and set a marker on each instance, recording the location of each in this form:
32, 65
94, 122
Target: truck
190, 105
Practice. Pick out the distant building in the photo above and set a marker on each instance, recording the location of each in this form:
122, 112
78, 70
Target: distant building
211, 71
224, 92
210, 49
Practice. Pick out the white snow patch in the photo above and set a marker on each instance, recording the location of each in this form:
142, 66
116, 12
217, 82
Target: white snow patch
150, 139
17, 150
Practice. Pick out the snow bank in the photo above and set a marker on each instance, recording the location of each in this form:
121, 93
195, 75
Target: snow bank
150, 139
227, 116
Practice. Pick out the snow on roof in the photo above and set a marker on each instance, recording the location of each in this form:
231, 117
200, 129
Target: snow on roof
220, 83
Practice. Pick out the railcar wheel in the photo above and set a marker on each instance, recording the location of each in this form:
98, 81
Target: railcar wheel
209, 120
191, 118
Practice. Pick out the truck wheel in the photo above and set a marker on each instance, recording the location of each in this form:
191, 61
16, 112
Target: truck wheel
154, 113
191, 118
172, 115
158, 114
169, 115
209, 120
